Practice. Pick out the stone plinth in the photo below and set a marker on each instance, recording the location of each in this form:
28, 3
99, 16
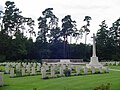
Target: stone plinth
94, 63
65, 61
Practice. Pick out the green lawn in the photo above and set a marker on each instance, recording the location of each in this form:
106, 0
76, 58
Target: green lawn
115, 67
84, 82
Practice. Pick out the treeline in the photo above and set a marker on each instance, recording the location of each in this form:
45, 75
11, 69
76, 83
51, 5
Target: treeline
108, 41
17, 31
24, 49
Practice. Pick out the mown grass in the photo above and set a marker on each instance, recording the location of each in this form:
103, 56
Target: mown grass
83, 82
114, 67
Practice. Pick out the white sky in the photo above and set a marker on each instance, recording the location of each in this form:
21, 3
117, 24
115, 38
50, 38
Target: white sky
99, 10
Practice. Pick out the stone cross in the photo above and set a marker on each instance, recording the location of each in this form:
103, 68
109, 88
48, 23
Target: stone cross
94, 47
94, 59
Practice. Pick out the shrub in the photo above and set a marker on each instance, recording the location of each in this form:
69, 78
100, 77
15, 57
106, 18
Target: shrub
103, 87
34, 88
46, 78
67, 72
56, 72
110, 64
106, 64
114, 64
119, 64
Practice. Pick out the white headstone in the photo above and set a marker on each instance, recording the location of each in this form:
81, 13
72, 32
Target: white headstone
13, 64
61, 70
47, 67
12, 74
33, 70
24, 64
1, 78
39, 64
93, 69
64, 67
7, 69
77, 70
69, 67
17, 67
23, 71
29, 64
85, 70
28, 69
73, 66
38, 68
34, 64
52, 71
43, 71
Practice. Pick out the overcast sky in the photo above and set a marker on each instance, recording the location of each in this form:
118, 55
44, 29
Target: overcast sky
99, 10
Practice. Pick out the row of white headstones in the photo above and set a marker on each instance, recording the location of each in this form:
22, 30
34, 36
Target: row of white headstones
32, 69
111, 63
23, 68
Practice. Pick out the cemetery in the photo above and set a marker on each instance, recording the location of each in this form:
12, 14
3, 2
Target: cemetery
42, 51
64, 70
55, 71
64, 67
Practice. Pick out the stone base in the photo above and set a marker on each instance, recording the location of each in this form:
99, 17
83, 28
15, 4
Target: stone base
94, 63
64, 61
